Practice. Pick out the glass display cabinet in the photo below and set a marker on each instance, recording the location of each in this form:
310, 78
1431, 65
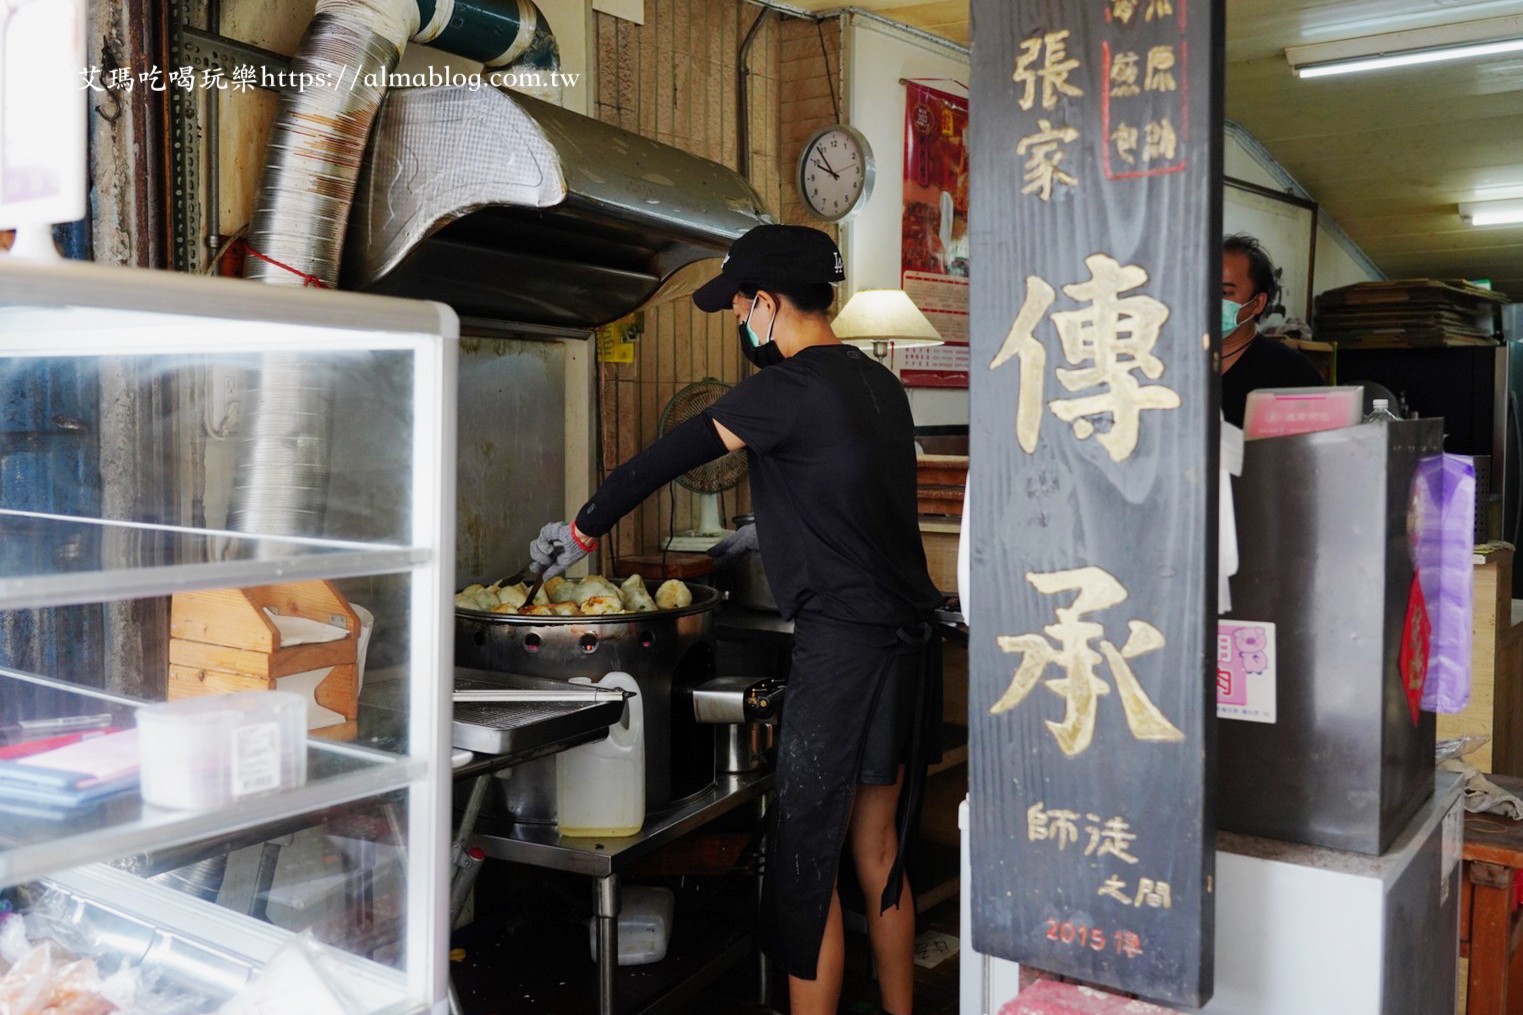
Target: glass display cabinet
210, 486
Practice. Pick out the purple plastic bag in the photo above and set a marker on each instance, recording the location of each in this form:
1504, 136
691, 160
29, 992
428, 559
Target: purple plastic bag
1441, 535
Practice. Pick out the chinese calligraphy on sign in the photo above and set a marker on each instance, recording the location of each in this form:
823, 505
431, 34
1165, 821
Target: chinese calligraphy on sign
1114, 837
1160, 70
1043, 148
1144, 101
1150, 892
1106, 342
1080, 685
1052, 75
1091, 853
1044, 155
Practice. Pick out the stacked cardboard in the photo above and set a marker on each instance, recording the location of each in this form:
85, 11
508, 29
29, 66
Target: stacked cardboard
1409, 312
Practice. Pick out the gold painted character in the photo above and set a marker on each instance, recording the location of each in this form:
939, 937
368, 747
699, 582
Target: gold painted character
1160, 70
1125, 137
1113, 840
1080, 686
1036, 822
1045, 152
1124, 74
1154, 893
1122, 10
1159, 9
1021, 343
1061, 827
1160, 141
1093, 341
1052, 74
1115, 888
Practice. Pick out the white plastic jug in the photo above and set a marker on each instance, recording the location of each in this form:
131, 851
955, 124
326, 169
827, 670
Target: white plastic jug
600, 788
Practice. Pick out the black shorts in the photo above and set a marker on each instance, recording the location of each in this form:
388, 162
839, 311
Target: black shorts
888, 730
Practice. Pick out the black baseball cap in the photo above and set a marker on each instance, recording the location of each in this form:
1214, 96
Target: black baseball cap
772, 256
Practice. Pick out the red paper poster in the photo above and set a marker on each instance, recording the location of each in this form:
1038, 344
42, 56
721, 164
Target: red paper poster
1412, 657
934, 249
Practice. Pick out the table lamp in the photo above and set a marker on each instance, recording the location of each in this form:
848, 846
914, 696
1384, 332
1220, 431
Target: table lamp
879, 318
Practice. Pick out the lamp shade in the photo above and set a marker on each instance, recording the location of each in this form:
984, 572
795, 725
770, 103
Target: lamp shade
883, 315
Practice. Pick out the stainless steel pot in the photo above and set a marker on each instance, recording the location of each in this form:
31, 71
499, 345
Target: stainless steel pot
668, 652
748, 579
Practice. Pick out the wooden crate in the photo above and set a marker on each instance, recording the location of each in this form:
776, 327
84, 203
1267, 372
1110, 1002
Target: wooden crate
1496, 670
940, 484
221, 640
940, 542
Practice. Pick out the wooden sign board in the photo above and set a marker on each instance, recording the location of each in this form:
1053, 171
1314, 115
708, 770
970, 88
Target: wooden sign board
1096, 228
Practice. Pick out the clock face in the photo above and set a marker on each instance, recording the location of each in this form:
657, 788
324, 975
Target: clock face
835, 172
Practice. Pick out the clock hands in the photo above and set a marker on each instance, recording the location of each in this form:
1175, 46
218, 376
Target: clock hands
827, 169
826, 166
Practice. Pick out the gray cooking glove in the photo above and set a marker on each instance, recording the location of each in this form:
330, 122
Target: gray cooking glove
728, 551
556, 549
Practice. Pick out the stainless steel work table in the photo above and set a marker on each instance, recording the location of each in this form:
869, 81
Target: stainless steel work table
605, 859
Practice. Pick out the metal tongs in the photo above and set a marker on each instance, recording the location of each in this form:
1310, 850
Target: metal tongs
530, 570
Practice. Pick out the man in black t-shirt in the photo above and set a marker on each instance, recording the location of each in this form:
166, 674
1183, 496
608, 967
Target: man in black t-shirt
829, 439
1249, 362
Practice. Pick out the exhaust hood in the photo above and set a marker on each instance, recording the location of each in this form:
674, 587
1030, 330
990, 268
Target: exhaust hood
516, 211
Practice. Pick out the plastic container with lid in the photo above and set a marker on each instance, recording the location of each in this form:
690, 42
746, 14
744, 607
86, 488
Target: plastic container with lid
600, 787
207, 751
645, 925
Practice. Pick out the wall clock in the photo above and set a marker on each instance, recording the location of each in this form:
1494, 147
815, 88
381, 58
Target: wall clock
835, 172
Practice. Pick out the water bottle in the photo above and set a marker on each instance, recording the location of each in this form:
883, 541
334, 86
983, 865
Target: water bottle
1381, 413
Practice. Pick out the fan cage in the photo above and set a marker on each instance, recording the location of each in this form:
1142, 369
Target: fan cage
722, 473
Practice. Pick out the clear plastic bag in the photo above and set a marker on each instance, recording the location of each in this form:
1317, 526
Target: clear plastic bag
302, 976
59, 966
1441, 530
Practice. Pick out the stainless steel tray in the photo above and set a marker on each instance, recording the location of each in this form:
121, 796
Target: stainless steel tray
517, 727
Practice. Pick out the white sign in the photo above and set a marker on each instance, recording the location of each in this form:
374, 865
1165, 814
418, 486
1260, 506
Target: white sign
1245, 670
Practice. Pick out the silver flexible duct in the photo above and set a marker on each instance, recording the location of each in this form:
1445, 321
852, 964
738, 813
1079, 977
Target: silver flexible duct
296, 237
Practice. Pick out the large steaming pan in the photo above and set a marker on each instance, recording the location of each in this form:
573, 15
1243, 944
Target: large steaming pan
668, 652
566, 647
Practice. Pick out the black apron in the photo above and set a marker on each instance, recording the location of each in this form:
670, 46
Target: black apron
838, 672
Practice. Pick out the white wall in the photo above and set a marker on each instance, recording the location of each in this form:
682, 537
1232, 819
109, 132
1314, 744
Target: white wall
875, 57
1282, 228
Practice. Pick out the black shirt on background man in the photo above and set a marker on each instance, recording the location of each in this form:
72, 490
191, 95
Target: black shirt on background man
1249, 361
1266, 363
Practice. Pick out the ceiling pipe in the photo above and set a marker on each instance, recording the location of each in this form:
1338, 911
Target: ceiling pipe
337, 80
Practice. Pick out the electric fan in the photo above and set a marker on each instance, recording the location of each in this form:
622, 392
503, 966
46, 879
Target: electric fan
709, 480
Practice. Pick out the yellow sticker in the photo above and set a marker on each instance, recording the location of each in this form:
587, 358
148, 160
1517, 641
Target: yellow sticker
616, 341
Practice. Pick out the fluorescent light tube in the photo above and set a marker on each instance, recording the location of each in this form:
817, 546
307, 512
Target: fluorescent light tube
1408, 59
1458, 40
1492, 213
